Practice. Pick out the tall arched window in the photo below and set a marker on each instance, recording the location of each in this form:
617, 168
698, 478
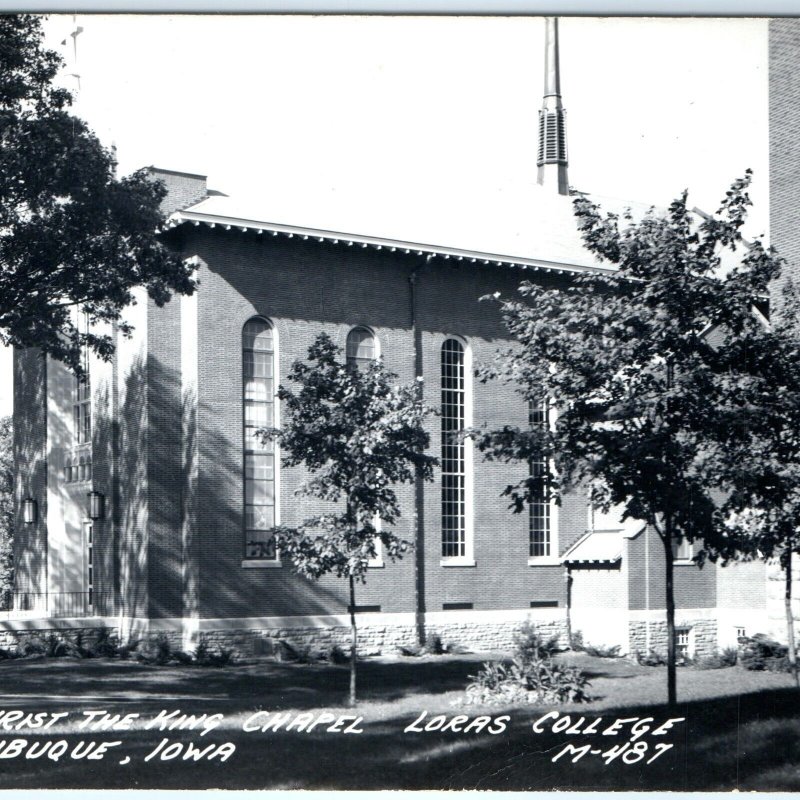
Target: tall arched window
539, 533
453, 461
362, 347
361, 350
258, 366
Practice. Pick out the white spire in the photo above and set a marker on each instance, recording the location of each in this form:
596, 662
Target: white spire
552, 158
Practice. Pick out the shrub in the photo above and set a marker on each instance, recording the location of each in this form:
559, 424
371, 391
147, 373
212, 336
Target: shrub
222, 658
33, 647
201, 652
531, 680
759, 652
156, 651
183, 658
528, 644
336, 655
301, 653
602, 651
66, 649
720, 660
51, 643
434, 646
652, 659
106, 644
125, 650
204, 656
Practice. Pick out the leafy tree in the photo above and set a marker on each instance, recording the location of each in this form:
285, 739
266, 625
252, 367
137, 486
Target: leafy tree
757, 458
6, 510
71, 234
626, 360
358, 434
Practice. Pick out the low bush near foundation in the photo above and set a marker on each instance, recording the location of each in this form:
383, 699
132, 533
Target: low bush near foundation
724, 658
759, 652
531, 676
433, 647
651, 659
335, 655
33, 647
300, 653
596, 650
205, 656
528, 643
532, 680
155, 651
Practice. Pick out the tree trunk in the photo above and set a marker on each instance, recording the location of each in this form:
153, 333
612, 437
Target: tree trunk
353, 643
568, 580
787, 598
672, 691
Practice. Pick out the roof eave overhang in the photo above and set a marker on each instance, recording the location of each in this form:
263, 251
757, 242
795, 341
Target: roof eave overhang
593, 561
357, 240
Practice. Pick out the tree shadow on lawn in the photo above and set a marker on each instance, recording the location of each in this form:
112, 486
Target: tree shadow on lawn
282, 685
725, 744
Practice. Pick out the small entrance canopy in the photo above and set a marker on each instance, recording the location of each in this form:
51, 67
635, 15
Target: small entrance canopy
596, 547
602, 546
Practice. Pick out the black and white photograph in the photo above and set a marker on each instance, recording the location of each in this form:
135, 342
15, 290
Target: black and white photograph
399, 402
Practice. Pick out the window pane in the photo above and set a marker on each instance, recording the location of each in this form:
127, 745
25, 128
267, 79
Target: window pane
258, 415
452, 451
259, 492
361, 348
258, 546
259, 517
259, 389
258, 467
539, 510
258, 392
257, 335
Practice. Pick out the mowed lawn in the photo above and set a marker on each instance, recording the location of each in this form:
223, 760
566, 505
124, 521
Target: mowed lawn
741, 729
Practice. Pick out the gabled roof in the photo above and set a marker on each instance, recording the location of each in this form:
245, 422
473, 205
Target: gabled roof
523, 224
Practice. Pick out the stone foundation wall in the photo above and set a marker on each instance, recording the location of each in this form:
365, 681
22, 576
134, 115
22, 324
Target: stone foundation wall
13, 640
376, 639
702, 638
372, 639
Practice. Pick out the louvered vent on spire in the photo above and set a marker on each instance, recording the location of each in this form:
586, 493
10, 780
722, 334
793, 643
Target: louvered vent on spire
552, 137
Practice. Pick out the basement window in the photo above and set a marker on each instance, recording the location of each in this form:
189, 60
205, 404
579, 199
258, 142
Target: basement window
682, 642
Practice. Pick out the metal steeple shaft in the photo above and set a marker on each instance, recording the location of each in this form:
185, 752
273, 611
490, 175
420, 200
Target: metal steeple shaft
552, 157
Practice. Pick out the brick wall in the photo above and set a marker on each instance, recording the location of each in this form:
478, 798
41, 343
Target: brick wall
30, 465
784, 144
183, 188
305, 287
164, 459
129, 507
693, 587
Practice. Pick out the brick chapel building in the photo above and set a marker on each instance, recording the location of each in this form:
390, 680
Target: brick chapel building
149, 500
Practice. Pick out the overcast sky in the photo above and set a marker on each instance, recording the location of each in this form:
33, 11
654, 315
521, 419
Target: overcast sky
393, 106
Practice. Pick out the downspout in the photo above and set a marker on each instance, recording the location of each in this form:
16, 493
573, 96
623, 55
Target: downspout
647, 591
419, 485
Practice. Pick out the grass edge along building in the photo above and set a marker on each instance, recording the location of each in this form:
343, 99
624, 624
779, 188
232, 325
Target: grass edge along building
143, 499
